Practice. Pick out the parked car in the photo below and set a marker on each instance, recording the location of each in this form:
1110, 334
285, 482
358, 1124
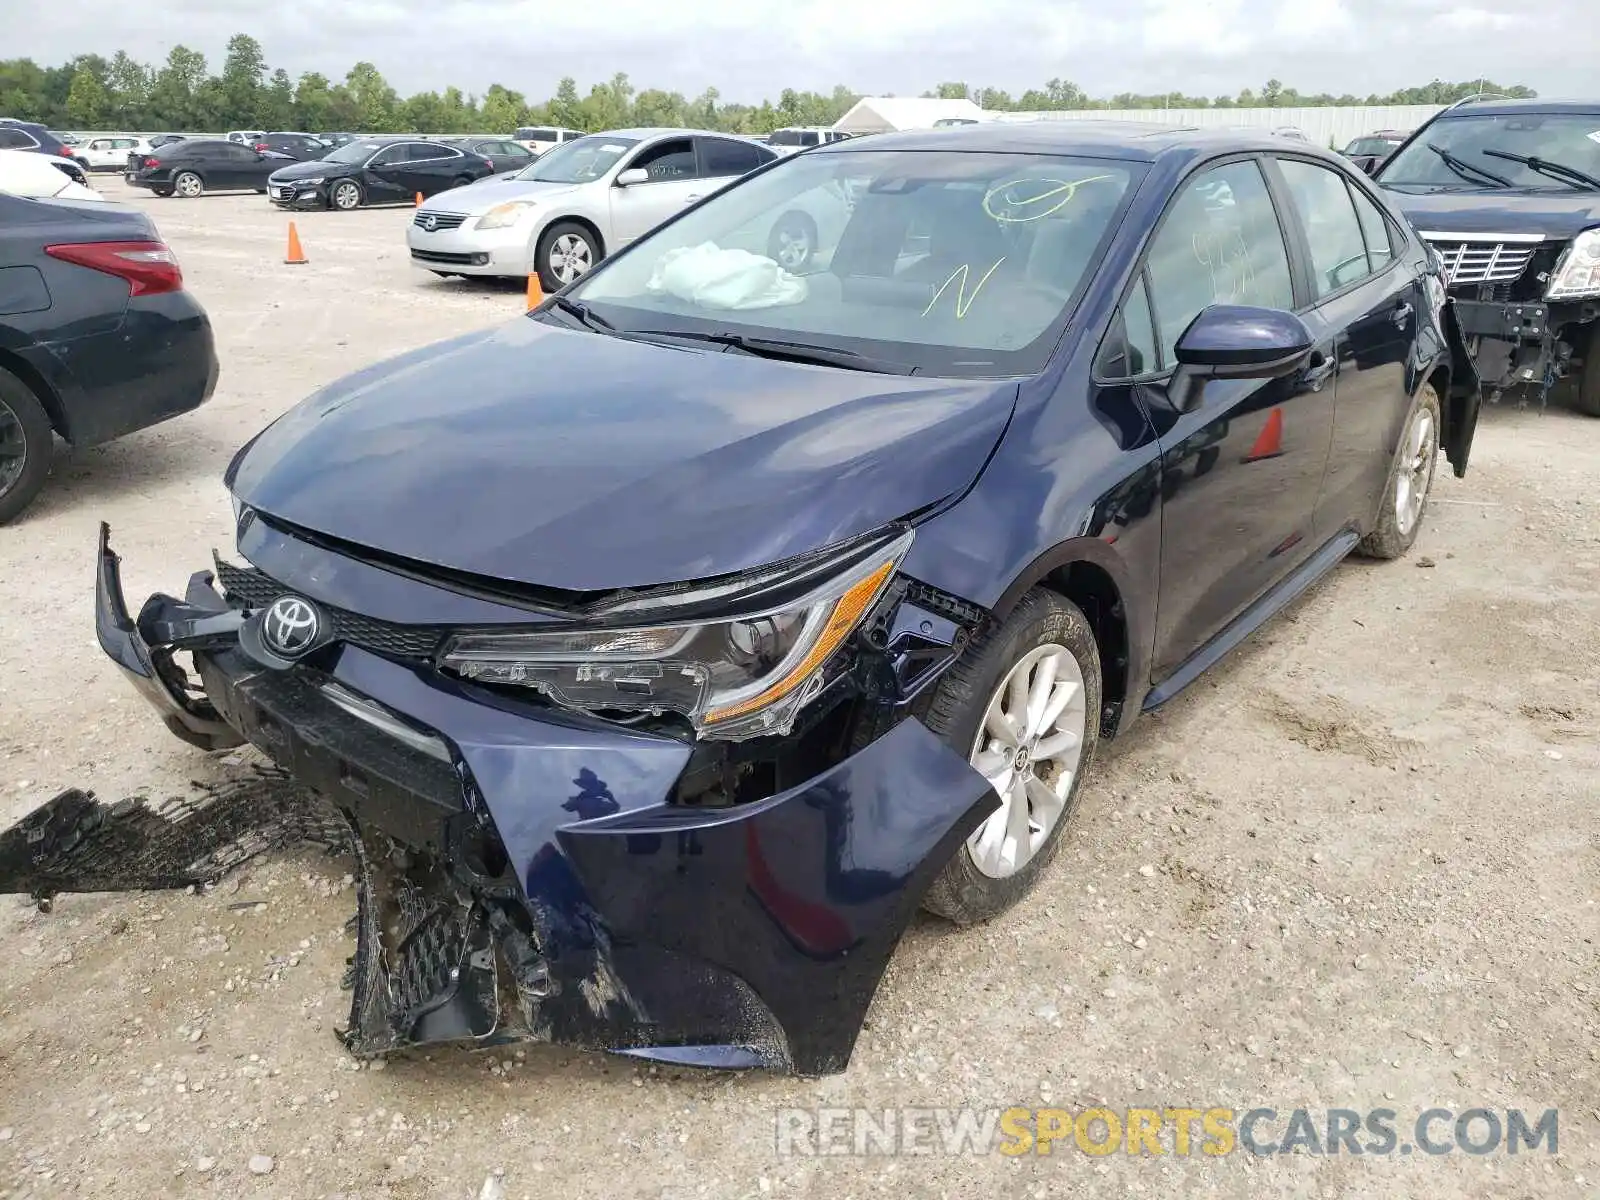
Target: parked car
109, 153
100, 340
690, 632
383, 170
31, 136
166, 139
793, 138
539, 138
244, 136
1508, 193
503, 154
1369, 151
335, 140
66, 139
302, 147
23, 173
192, 167
576, 203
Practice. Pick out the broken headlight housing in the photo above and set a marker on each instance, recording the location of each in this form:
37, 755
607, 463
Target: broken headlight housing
744, 672
1577, 275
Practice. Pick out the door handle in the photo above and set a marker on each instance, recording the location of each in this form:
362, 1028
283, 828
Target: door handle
1402, 313
1318, 368
692, 199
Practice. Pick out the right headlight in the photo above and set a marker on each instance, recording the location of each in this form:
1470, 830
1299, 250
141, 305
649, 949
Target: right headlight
733, 677
502, 216
1577, 273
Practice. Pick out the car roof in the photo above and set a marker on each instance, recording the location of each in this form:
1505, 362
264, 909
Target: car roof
1133, 141
643, 132
1492, 108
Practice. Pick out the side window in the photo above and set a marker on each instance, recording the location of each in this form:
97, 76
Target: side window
1130, 345
723, 157
1380, 245
242, 154
15, 139
389, 156
667, 161
514, 150
1220, 243
1338, 251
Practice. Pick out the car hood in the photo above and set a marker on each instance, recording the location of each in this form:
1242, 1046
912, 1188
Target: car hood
478, 198
1557, 215
573, 460
316, 168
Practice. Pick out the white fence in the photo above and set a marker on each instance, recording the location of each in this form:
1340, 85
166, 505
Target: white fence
1321, 125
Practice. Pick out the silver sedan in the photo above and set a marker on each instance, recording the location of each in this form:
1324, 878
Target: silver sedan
580, 201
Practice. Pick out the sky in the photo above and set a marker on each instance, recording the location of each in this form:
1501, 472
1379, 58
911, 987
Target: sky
750, 49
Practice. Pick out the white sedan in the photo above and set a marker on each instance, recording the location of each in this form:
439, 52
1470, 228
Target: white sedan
24, 173
577, 203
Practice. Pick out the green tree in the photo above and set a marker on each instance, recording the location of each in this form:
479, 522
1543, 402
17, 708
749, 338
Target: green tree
566, 109
277, 105
128, 82
377, 107
88, 103
501, 110
313, 104
241, 94
176, 100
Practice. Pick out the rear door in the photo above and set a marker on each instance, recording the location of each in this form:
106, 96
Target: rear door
1242, 470
673, 182
1372, 303
722, 160
433, 167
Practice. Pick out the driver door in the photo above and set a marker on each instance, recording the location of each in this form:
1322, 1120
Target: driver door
674, 182
386, 173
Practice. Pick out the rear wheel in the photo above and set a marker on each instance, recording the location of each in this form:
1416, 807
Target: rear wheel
163, 192
461, 181
188, 185
567, 251
26, 445
1023, 705
345, 196
1405, 496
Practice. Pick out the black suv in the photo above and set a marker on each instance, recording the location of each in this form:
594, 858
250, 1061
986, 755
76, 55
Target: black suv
28, 135
1508, 193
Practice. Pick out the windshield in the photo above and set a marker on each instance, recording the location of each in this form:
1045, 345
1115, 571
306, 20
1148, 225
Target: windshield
354, 152
578, 161
953, 264
1569, 139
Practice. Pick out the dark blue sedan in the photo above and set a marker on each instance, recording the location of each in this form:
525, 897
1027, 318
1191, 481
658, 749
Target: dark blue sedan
691, 632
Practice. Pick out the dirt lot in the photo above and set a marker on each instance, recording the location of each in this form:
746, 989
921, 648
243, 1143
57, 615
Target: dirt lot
1356, 867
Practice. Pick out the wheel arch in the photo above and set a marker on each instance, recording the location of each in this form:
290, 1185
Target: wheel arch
48, 399
570, 219
1088, 572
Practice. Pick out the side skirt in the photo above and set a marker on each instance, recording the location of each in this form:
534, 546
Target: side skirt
1268, 605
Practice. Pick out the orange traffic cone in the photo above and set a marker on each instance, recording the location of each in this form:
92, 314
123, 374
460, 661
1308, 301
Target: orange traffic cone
535, 291
419, 199
295, 256
1269, 442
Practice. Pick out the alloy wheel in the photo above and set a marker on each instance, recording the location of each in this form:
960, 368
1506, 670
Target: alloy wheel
570, 257
13, 448
1029, 749
189, 185
1415, 475
794, 246
346, 196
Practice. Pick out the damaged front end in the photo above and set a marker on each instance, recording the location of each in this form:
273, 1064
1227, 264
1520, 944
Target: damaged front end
695, 887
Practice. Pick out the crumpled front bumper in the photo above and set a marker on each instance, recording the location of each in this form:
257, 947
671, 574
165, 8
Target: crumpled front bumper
525, 876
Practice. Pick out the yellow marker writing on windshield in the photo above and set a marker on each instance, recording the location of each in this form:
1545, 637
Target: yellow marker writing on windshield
963, 301
1063, 192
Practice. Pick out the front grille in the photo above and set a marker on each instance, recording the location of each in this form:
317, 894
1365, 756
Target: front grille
450, 260
255, 589
431, 221
1483, 261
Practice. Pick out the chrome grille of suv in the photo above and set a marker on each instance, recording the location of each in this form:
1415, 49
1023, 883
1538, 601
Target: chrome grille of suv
432, 221
1486, 260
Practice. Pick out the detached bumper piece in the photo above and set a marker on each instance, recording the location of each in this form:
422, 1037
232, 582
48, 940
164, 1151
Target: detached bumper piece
524, 873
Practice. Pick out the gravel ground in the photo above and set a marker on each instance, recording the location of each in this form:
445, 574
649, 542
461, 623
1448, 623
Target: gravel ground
1355, 867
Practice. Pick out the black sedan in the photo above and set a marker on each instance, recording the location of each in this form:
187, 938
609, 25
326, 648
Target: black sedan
302, 147
503, 154
376, 171
191, 168
100, 337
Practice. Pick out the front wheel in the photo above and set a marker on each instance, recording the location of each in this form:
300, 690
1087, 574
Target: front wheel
1405, 496
1023, 704
567, 251
188, 185
345, 196
1589, 377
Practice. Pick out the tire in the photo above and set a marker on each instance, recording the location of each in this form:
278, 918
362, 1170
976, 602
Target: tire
445, 274
461, 181
164, 192
188, 185
1587, 400
1411, 474
793, 241
345, 196
26, 445
966, 890
569, 242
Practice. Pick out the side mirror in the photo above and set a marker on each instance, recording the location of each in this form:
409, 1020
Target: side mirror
632, 176
1235, 341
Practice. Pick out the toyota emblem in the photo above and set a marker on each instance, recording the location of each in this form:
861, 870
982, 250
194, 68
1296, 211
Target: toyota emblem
291, 626
430, 223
